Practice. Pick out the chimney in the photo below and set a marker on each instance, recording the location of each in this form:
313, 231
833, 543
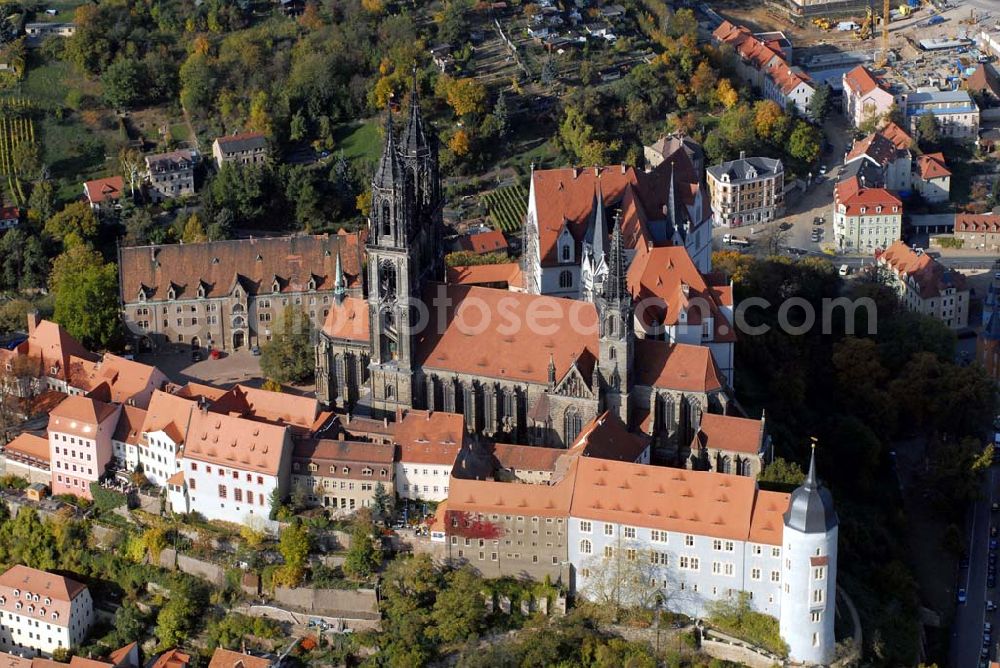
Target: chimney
429, 414
340, 436
348, 416
743, 155
597, 170
33, 320
623, 168
576, 172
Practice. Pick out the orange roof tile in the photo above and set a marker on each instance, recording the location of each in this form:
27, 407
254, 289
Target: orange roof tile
492, 241
607, 437
898, 136
53, 346
932, 166
80, 416
861, 80
691, 502
193, 390
325, 451
170, 414
429, 437
767, 523
854, 197
348, 320
931, 277
507, 275
666, 282
224, 658
30, 447
109, 188
486, 496
113, 378
59, 589
730, 433
14, 661
676, 366
278, 408
235, 442
173, 658
122, 653
130, 423
973, 222
177, 479
526, 457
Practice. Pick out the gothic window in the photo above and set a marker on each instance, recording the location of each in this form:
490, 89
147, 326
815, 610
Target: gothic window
668, 411
390, 392
565, 277
387, 280
612, 353
386, 227
611, 326
725, 465
572, 424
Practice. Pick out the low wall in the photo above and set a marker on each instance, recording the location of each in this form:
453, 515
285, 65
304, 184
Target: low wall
169, 558
736, 653
339, 603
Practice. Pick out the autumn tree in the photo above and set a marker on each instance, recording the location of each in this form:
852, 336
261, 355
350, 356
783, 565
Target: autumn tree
86, 296
365, 553
194, 231
75, 224
288, 356
459, 143
459, 611
704, 81
727, 94
294, 545
769, 121
804, 143
466, 96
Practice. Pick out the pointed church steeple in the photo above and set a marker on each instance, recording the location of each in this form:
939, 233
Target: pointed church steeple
615, 285
414, 141
339, 284
600, 226
811, 483
671, 202
388, 173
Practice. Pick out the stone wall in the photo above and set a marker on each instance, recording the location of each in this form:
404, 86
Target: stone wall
169, 558
338, 603
737, 653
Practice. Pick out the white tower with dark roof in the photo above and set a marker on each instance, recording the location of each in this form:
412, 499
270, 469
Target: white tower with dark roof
809, 572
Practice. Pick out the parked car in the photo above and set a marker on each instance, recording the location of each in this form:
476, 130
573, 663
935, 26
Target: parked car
991, 606
214, 354
785, 226
962, 596
844, 270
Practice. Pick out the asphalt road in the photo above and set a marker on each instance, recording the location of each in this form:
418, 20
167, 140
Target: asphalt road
967, 632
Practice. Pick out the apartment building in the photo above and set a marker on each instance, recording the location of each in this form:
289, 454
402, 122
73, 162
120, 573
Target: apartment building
80, 434
956, 113
865, 219
865, 98
41, 612
170, 174
747, 191
341, 475
978, 230
926, 286
427, 446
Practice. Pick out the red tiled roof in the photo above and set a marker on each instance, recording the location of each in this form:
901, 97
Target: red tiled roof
607, 437
932, 166
80, 416
860, 80
255, 263
349, 320
320, 451
484, 242
224, 658
30, 447
486, 496
235, 442
130, 421
854, 197
100, 190
973, 222
526, 457
170, 414
113, 378
875, 146
122, 653
729, 433
898, 136
931, 277
767, 523
277, 408
676, 366
59, 589
508, 273
429, 437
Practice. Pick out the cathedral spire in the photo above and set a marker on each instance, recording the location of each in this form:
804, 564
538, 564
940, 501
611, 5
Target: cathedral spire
671, 204
339, 284
600, 225
387, 174
615, 285
414, 141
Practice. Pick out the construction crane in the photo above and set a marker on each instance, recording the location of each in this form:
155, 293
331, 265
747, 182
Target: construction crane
883, 56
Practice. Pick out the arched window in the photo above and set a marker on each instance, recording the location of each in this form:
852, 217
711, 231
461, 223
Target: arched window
572, 424
725, 465
585, 547
565, 279
565, 253
611, 325
612, 353
390, 392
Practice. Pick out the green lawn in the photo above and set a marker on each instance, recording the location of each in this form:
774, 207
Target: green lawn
179, 132
359, 141
46, 83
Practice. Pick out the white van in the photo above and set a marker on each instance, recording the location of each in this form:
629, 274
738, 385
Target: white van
844, 270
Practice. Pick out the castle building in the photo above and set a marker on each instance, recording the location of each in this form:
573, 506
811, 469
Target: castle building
484, 352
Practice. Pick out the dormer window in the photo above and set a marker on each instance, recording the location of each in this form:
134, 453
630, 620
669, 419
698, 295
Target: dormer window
312, 283
275, 286
346, 470
313, 468
878, 209
863, 209
142, 294
201, 291
171, 293
55, 615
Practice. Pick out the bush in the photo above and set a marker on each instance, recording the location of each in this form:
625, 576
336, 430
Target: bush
106, 500
738, 619
949, 242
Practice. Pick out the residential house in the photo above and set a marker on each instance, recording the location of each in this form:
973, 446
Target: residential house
747, 191
36, 32
163, 434
170, 175
730, 444
865, 98
956, 113
865, 219
300, 414
127, 439
42, 361
427, 445
248, 148
926, 286
115, 379
172, 658
10, 217
233, 468
934, 182
341, 475
664, 148
884, 157
42, 612
105, 195
80, 434
981, 231
229, 294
